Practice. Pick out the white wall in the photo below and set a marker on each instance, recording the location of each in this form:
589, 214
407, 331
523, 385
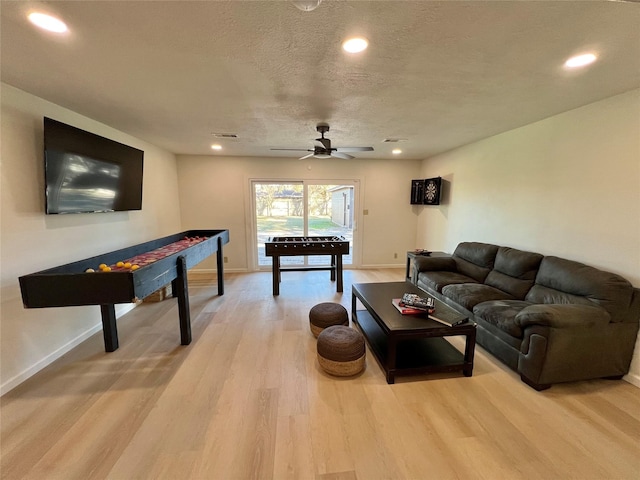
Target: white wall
32, 241
214, 192
568, 185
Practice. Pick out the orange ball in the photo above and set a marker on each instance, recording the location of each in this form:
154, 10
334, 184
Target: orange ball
102, 265
127, 265
106, 269
134, 267
120, 264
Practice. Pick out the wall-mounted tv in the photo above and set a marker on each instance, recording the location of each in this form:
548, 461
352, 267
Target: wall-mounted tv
85, 172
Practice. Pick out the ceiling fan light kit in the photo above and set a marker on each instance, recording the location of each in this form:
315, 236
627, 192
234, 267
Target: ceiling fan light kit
323, 148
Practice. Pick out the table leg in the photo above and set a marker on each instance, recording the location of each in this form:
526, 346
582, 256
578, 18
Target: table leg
339, 271
354, 317
275, 271
220, 267
333, 267
407, 275
390, 361
183, 301
109, 328
469, 349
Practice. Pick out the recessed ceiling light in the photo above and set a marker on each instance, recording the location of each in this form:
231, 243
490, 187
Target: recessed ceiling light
355, 45
307, 5
396, 151
216, 147
47, 22
580, 60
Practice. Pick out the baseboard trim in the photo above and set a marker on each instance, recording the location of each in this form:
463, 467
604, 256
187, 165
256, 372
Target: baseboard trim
633, 379
56, 354
52, 357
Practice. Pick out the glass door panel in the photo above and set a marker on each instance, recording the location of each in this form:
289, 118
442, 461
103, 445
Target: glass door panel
330, 214
279, 210
288, 209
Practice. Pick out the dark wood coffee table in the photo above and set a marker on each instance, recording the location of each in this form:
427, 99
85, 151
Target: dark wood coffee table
409, 344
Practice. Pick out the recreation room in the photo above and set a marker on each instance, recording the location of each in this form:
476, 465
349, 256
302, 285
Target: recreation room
319, 239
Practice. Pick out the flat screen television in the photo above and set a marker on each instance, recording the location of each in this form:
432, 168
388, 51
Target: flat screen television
87, 173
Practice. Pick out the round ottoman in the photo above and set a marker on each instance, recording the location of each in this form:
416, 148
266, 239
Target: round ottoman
326, 315
341, 351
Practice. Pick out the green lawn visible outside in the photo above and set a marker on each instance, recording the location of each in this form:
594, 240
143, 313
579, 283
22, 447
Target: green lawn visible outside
289, 226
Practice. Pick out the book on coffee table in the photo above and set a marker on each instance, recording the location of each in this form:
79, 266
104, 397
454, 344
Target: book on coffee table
447, 317
407, 309
416, 301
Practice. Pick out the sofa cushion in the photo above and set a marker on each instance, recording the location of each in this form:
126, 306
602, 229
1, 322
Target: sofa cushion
469, 295
422, 263
475, 259
514, 271
437, 280
563, 316
565, 281
502, 314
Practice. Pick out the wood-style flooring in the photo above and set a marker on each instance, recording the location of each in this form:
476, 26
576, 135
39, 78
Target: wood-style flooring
247, 400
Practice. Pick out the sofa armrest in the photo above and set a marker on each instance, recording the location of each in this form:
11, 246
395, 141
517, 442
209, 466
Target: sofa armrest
425, 264
562, 316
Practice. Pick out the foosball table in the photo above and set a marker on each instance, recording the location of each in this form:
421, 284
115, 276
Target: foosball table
334, 246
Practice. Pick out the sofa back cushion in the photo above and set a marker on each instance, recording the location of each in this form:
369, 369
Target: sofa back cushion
565, 281
475, 259
514, 271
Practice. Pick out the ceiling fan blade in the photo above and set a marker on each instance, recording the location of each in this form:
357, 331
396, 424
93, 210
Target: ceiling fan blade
342, 155
306, 156
324, 143
354, 149
293, 149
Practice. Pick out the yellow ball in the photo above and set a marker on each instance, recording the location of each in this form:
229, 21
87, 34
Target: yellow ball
102, 265
120, 264
134, 267
127, 265
106, 269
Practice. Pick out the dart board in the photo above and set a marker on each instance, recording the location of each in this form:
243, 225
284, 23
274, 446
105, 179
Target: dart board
432, 187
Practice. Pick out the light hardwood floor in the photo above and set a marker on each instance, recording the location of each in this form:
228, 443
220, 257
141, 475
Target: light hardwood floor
247, 400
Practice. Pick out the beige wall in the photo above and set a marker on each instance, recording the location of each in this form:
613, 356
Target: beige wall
214, 193
32, 241
568, 185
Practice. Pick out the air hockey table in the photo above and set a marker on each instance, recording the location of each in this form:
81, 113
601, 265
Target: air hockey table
126, 276
335, 246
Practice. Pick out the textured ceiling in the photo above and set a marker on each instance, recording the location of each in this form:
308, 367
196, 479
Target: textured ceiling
438, 74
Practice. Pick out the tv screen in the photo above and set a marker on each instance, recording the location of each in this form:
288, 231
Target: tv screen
85, 172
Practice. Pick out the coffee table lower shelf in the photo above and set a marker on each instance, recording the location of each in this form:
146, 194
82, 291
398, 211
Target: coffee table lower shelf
407, 354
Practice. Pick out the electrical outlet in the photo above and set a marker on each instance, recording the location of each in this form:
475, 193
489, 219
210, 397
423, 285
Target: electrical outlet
226, 259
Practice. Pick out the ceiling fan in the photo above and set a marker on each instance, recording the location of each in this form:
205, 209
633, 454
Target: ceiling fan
323, 148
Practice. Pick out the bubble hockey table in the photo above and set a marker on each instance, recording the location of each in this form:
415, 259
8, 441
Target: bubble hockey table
160, 261
278, 247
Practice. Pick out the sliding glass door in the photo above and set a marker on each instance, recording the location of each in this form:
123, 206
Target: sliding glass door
302, 208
